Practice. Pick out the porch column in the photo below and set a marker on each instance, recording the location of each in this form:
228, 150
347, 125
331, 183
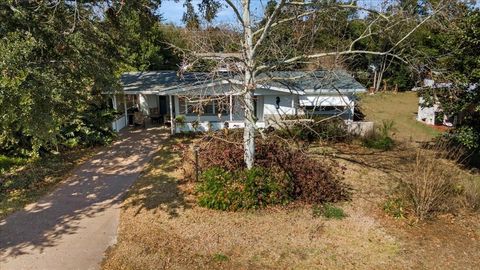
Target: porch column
293, 105
352, 109
114, 102
125, 107
172, 124
231, 109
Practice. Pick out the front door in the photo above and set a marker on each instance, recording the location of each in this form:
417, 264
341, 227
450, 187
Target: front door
162, 105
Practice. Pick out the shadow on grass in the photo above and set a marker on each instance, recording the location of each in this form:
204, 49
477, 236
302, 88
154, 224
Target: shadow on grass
397, 160
94, 187
158, 189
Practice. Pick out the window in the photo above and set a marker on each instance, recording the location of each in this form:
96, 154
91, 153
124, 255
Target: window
209, 107
324, 108
194, 106
182, 103
222, 105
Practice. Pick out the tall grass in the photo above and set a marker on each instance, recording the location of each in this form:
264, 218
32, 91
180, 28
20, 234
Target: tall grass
430, 183
472, 192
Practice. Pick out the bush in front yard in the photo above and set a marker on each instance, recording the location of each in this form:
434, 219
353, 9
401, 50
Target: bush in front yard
242, 189
313, 128
309, 180
381, 137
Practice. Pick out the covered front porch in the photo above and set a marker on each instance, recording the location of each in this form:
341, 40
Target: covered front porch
182, 113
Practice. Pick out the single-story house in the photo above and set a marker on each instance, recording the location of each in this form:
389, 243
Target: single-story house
196, 101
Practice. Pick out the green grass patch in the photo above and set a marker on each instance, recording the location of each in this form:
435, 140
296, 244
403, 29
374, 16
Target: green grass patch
329, 211
7, 163
219, 257
394, 207
381, 143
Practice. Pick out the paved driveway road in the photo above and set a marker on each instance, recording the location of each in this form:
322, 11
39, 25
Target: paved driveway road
73, 226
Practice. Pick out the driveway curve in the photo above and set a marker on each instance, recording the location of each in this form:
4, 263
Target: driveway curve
73, 226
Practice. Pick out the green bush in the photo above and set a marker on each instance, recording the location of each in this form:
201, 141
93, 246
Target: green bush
242, 189
382, 143
329, 211
8, 162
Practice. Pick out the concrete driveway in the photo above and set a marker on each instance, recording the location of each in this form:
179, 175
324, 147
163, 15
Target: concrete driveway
73, 226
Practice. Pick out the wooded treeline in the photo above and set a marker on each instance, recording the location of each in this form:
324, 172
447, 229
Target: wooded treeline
58, 57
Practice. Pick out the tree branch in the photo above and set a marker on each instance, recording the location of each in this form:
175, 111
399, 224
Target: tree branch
351, 5
285, 20
267, 26
235, 10
319, 55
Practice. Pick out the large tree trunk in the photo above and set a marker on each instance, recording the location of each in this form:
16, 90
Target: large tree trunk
249, 132
249, 88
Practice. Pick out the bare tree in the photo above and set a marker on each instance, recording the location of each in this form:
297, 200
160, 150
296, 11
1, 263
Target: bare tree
260, 55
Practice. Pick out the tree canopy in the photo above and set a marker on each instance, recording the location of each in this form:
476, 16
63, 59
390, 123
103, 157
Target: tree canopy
59, 58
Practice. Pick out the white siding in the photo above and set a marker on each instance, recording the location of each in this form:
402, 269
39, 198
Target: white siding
325, 101
286, 105
260, 106
426, 114
143, 104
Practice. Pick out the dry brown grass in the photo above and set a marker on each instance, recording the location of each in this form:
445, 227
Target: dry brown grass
472, 192
402, 109
431, 181
162, 228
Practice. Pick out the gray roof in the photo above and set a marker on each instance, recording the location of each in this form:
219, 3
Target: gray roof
302, 82
315, 82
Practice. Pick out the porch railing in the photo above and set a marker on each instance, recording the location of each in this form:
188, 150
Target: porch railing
119, 123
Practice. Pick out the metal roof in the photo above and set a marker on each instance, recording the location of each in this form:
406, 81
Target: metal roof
300, 82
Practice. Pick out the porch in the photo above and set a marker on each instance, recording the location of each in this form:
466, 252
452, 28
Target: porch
182, 113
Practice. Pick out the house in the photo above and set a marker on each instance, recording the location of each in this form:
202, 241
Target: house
431, 112
196, 101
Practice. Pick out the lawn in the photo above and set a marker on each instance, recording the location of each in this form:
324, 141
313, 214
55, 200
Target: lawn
23, 181
402, 109
162, 227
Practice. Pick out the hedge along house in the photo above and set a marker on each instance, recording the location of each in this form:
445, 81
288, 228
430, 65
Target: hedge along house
198, 102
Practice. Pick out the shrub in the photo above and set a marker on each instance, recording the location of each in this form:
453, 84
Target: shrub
312, 180
430, 183
394, 207
243, 189
8, 162
467, 136
180, 119
472, 192
380, 138
314, 128
329, 211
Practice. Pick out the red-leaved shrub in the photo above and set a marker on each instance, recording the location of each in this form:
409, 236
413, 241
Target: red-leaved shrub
313, 180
